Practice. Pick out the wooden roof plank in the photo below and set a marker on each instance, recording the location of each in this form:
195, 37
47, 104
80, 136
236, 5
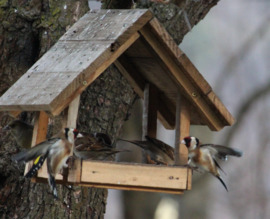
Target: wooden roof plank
161, 48
132, 74
89, 75
107, 25
77, 59
180, 57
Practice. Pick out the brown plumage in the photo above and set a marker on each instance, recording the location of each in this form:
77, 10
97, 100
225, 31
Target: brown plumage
56, 150
95, 146
157, 152
204, 156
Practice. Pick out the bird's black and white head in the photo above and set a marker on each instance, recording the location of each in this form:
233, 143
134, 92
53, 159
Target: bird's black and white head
71, 134
190, 142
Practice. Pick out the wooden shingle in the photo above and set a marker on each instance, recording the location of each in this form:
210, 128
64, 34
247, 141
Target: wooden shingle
142, 50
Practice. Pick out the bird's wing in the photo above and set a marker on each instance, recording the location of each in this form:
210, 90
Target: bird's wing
93, 139
32, 153
167, 149
221, 152
96, 153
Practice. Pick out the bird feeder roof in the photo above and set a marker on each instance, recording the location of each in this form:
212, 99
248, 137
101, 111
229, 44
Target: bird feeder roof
140, 48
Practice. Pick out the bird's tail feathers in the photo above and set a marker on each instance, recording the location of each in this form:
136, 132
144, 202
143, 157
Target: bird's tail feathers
217, 164
137, 143
52, 184
31, 153
223, 183
36, 166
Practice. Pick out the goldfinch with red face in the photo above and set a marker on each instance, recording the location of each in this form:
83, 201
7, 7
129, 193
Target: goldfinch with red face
203, 156
57, 150
157, 152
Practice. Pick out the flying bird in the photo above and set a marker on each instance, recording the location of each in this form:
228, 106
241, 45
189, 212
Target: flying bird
56, 150
95, 146
204, 156
157, 152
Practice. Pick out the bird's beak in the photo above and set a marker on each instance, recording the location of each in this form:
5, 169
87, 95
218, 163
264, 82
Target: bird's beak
6, 128
183, 142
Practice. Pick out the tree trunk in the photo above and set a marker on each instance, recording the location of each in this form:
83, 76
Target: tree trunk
27, 30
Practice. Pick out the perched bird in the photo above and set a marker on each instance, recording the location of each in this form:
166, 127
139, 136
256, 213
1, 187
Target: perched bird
22, 133
157, 152
56, 150
94, 146
203, 156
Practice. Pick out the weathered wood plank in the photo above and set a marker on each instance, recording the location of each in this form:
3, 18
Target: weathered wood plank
137, 81
181, 59
213, 99
150, 103
134, 175
184, 130
75, 61
89, 75
36, 96
133, 188
129, 71
107, 25
191, 91
189, 179
74, 171
121, 187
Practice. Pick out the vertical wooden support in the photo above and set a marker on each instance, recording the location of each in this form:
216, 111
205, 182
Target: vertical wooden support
149, 122
74, 173
39, 134
182, 130
150, 111
40, 128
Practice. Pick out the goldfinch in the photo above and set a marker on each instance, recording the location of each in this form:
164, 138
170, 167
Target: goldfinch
203, 156
57, 150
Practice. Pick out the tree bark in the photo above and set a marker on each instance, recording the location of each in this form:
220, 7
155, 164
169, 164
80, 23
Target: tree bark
27, 30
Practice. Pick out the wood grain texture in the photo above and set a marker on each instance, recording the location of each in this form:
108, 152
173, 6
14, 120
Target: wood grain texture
184, 130
131, 175
182, 60
98, 40
77, 59
150, 103
192, 90
133, 74
74, 171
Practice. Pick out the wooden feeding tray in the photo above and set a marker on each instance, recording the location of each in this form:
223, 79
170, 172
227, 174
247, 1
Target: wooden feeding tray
137, 44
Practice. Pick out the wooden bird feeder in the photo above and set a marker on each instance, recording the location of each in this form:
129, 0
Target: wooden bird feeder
138, 45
